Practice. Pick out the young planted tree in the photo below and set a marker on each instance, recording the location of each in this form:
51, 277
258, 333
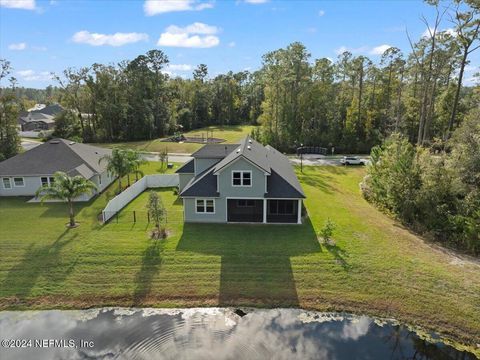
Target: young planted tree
157, 213
117, 164
135, 161
163, 156
66, 188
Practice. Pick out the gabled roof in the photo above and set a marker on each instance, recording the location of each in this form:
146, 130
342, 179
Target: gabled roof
187, 168
57, 155
52, 109
281, 166
37, 116
205, 184
214, 151
281, 180
250, 150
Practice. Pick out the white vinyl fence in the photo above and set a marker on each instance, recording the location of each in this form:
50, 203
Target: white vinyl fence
148, 181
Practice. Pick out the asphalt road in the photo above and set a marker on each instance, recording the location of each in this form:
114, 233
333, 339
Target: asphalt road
322, 160
308, 159
29, 144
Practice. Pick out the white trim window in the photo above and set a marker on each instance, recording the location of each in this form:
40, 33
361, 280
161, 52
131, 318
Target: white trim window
241, 178
205, 206
18, 182
7, 183
47, 180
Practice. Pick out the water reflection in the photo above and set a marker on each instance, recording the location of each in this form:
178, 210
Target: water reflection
215, 334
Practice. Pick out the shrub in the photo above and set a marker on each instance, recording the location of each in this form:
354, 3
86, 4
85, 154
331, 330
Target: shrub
327, 230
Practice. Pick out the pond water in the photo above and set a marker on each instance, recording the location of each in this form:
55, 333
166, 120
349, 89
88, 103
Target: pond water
210, 333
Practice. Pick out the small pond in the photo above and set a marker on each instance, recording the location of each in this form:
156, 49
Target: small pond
210, 333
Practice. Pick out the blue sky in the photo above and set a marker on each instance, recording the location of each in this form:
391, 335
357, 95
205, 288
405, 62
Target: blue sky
39, 37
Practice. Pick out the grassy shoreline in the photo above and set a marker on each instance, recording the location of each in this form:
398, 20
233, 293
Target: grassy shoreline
376, 267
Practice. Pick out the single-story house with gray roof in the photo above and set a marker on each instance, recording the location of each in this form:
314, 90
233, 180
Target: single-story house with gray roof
238, 183
25, 173
40, 119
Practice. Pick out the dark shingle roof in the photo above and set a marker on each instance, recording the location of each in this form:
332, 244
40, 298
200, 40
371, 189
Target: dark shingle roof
249, 149
36, 116
278, 187
187, 168
214, 151
52, 109
280, 164
281, 182
205, 184
57, 155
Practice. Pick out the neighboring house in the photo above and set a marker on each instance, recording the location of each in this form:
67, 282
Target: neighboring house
41, 118
245, 182
24, 174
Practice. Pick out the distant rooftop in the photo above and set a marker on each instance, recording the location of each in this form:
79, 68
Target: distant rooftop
56, 155
215, 151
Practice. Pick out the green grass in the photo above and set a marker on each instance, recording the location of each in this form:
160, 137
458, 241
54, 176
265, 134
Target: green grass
375, 266
231, 134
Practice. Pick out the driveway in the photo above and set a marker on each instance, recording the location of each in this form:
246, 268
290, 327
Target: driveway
29, 144
172, 157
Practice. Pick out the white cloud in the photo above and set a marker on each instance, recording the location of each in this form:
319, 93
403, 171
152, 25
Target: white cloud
342, 49
449, 31
155, 7
195, 28
31, 75
356, 329
196, 35
379, 50
231, 44
18, 4
117, 39
18, 46
179, 67
321, 13
256, 1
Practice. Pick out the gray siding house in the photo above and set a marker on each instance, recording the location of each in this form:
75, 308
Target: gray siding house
237, 183
24, 174
40, 119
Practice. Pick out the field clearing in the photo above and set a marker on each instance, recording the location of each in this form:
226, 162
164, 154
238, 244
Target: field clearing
231, 134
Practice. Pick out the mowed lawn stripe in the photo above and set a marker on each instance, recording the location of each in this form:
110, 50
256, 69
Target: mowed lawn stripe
375, 266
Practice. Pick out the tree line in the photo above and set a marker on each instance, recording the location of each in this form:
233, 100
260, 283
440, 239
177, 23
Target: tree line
351, 103
436, 193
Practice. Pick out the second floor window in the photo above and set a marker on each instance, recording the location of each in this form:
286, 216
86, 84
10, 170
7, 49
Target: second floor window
241, 178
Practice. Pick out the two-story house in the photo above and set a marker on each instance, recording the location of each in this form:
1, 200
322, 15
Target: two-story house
245, 182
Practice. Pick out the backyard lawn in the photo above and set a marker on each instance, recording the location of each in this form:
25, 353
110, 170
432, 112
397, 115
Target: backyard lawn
375, 266
230, 133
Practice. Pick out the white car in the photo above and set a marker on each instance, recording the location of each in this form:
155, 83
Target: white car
352, 160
